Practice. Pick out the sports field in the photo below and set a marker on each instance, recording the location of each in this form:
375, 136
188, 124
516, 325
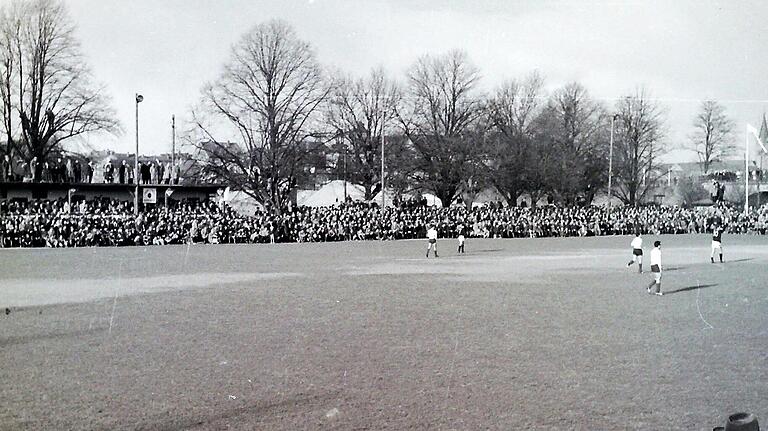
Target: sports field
515, 334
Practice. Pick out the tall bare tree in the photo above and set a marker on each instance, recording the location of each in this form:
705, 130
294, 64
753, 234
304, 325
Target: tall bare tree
253, 129
577, 127
440, 110
46, 89
637, 146
712, 137
359, 112
511, 114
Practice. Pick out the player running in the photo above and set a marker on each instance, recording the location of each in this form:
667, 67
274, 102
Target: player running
717, 233
432, 238
655, 287
637, 252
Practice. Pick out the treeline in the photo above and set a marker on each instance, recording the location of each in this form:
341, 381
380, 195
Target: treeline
274, 104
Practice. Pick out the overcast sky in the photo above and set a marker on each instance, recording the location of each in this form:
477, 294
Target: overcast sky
682, 51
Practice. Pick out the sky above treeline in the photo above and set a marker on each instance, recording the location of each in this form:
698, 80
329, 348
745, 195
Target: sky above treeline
681, 51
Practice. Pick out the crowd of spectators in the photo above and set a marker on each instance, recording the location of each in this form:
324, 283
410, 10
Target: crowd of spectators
55, 170
150, 172
105, 222
76, 170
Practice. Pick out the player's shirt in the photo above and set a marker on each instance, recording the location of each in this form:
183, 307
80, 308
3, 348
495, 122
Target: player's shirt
461, 239
637, 243
717, 234
432, 234
656, 257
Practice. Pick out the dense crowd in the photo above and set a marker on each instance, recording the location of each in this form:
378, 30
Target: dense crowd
112, 223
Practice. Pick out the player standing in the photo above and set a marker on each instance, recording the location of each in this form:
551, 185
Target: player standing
717, 233
655, 287
637, 252
460, 230
432, 238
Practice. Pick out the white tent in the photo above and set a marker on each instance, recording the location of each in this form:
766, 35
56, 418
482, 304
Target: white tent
303, 195
487, 195
601, 200
388, 198
432, 200
333, 194
241, 202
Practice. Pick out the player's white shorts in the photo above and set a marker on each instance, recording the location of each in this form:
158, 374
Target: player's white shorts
716, 244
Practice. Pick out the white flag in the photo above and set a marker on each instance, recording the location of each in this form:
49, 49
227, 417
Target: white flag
756, 134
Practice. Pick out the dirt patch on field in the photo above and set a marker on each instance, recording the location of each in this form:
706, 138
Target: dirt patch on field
23, 293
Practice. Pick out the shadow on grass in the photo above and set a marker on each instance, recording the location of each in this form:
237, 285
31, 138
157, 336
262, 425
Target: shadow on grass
492, 250
746, 259
674, 268
686, 289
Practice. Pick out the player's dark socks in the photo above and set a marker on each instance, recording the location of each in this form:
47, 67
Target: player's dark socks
630, 263
712, 259
641, 269
721, 258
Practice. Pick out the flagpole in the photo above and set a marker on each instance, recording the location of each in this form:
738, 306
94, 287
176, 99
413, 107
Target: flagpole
746, 171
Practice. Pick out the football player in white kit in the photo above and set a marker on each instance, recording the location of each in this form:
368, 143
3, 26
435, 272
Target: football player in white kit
655, 287
637, 252
432, 239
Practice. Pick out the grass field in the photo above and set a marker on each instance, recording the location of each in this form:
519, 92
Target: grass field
516, 334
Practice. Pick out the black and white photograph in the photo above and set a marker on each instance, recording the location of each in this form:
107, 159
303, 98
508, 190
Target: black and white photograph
383, 215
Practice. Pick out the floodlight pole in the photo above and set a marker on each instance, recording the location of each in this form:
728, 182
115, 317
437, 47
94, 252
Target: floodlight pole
139, 98
173, 143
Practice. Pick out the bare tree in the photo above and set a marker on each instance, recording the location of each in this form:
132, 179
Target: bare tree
712, 137
690, 191
511, 112
359, 112
637, 146
254, 127
46, 89
440, 110
578, 128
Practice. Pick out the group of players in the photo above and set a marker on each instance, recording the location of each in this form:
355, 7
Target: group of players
654, 288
